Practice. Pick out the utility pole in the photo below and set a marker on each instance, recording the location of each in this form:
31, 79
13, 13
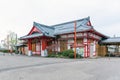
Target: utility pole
75, 23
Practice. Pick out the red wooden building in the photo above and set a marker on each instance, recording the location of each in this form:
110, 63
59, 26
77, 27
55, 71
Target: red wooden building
43, 39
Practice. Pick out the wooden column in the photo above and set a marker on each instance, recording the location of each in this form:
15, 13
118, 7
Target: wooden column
85, 51
57, 45
94, 54
30, 45
44, 44
85, 41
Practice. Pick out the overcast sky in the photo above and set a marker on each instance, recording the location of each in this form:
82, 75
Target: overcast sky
18, 15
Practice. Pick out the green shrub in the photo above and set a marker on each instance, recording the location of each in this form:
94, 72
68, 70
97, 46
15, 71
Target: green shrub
4, 51
51, 55
67, 52
71, 55
79, 56
59, 53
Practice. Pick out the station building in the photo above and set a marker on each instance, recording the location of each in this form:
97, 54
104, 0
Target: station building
42, 39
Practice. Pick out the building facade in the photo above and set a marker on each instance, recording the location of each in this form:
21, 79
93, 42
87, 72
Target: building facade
43, 39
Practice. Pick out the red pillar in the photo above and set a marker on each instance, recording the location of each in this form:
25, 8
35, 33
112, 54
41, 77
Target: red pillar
30, 45
84, 51
88, 48
44, 44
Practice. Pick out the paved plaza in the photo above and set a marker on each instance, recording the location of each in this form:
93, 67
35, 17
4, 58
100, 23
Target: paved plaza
19, 67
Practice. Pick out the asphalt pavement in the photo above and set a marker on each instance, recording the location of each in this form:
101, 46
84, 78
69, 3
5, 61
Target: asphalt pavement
21, 67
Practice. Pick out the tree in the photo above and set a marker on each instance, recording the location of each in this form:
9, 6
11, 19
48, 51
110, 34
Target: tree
12, 40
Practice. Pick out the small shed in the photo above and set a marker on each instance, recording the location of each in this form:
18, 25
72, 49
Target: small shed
113, 45
20, 48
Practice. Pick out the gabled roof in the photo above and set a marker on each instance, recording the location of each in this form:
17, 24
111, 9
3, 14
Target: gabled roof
63, 28
46, 30
68, 27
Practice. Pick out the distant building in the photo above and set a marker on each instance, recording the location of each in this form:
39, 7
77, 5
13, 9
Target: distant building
42, 39
113, 45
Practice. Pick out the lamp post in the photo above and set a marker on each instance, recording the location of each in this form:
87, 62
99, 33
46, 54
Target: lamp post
75, 23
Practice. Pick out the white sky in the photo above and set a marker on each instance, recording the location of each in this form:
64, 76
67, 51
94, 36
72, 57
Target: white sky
18, 15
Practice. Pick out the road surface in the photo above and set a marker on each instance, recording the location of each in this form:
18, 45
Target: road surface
17, 67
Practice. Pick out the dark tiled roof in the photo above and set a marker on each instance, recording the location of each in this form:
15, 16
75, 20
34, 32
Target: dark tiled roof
31, 36
46, 30
63, 28
111, 40
68, 27
20, 45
